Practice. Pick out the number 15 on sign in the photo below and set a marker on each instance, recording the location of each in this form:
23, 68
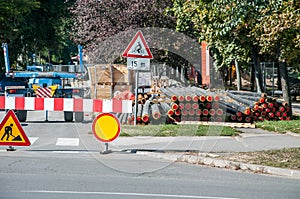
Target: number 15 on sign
138, 64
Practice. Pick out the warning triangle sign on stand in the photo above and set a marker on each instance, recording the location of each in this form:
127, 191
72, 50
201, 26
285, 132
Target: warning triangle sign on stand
11, 131
138, 48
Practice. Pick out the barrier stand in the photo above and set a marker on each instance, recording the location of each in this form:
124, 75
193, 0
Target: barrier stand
46, 120
10, 148
106, 151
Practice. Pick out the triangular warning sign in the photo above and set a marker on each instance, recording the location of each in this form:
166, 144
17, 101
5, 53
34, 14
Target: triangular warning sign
138, 48
11, 131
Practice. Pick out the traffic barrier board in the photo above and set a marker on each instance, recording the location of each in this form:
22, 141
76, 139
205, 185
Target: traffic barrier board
66, 104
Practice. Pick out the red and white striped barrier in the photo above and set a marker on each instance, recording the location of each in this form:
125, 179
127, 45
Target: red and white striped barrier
66, 104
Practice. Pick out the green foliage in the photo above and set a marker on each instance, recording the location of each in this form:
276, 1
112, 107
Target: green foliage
47, 28
233, 28
12, 14
278, 29
36, 26
281, 126
177, 130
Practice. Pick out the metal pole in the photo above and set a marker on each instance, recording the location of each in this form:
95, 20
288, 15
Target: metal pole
80, 58
46, 116
95, 83
6, 57
273, 79
106, 151
136, 95
265, 78
106, 147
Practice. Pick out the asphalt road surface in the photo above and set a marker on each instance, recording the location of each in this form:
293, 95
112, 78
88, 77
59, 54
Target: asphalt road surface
64, 162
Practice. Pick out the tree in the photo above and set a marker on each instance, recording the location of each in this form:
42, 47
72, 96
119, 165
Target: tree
226, 26
36, 26
96, 21
12, 15
47, 29
277, 32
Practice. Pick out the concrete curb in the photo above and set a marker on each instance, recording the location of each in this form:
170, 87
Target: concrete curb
219, 163
292, 134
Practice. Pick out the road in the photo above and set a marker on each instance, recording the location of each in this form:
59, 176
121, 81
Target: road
36, 174
64, 162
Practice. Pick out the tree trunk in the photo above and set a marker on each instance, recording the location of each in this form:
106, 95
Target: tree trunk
285, 84
181, 78
278, 78
258, 73
284, 79
230, 76
238, 75
252, 77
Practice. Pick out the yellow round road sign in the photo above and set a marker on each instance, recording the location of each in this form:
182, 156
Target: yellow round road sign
106, 127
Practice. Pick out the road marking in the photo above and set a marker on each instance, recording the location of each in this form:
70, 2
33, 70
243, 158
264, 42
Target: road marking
67, 142
127, 194
33, 139
66, 152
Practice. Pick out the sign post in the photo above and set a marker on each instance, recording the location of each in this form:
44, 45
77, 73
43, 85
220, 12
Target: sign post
138, 56
136, 96
106, 128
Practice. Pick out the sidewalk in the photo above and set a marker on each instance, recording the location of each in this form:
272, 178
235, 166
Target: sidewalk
296, 108
249, 140
209, 148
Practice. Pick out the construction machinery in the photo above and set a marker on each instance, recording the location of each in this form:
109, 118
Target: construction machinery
40, 82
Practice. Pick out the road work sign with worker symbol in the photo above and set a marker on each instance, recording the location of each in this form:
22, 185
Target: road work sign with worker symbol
11, 131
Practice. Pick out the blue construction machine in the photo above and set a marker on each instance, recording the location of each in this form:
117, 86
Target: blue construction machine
34, 79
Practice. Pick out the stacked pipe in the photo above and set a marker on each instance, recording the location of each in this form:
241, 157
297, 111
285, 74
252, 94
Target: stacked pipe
208, 105
196, 104
173, 111
152, 110
143, 111
262, 107
236, 111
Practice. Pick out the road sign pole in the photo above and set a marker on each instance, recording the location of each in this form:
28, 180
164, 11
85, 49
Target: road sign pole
136, 96
106, 151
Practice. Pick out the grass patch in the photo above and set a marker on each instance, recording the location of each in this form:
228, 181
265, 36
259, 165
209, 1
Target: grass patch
281, 126
283, 158
177, 130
